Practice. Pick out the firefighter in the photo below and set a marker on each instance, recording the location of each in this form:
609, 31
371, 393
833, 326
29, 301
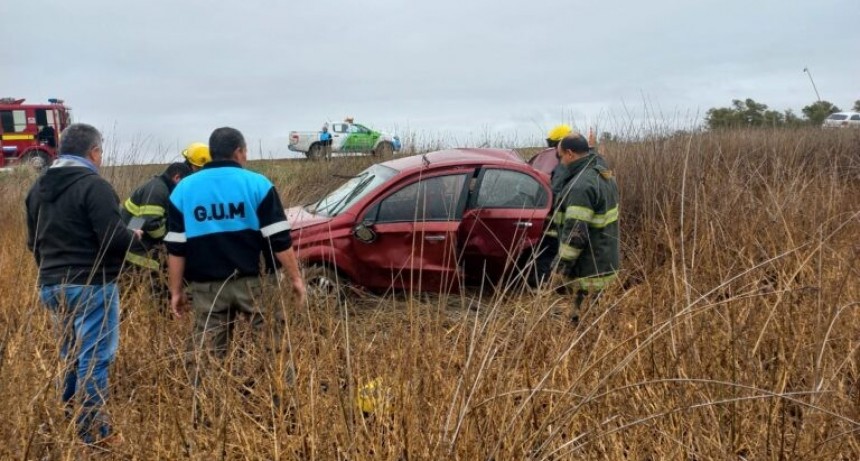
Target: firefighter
588, 254
47, 136
549, 243
196, 155
150, 202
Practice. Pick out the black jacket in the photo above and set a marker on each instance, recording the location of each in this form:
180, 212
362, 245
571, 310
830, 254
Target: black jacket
74, 228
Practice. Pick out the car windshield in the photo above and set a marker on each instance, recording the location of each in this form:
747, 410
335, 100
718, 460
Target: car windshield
352, 191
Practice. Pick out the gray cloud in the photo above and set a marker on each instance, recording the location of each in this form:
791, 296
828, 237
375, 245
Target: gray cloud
173, 70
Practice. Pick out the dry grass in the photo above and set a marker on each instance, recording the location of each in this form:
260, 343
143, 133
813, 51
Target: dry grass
734, 336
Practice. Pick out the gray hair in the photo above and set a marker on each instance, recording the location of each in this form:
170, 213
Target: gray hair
79, 139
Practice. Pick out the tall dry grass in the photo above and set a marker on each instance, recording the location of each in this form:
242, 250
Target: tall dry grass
734, 335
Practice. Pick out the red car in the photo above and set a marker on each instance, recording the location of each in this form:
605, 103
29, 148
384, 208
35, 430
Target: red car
427, 222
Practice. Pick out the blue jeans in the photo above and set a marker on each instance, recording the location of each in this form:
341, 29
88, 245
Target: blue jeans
86, 318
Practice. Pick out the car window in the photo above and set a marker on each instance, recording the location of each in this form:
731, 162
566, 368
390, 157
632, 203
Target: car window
431, 199
855, 117
509, 189
352, 191
339, 127
837, 117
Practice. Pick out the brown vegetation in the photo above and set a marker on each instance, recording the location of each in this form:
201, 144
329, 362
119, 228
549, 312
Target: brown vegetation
734, 335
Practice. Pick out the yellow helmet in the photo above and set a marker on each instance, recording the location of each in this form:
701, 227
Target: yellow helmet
558, 132
197, 154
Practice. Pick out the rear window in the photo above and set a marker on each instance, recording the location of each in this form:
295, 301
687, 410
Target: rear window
837, 117
855, 117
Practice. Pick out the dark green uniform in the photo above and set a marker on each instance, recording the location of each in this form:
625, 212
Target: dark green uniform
586, 223
549, 243
149, 201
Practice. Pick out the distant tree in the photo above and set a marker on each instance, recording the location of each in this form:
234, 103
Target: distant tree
743, 113
606, 136
856, 107
816, 112
791, 119
773, 118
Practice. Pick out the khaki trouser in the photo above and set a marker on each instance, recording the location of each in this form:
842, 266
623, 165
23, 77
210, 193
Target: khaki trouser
218, 306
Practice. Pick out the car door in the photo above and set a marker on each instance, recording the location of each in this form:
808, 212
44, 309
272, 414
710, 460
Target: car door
360, 139
408, 238
339, 135
505, 216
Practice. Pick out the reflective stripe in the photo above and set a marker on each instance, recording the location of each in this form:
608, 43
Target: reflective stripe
175, 237
273, 229
603, 220
558, 218
595, 283
18, 137
157, 233
552, 233
568, 252
579, 213
149, 210
588, 216
142, 261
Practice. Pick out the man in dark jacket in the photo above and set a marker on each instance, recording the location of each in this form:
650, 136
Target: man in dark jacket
76, 234
586, 221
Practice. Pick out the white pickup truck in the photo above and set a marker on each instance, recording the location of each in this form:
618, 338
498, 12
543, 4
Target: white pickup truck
345, 137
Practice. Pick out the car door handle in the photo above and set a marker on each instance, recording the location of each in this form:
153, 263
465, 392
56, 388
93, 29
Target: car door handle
524, 224
434, 238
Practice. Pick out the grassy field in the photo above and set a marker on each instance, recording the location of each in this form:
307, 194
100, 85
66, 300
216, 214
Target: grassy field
734, 335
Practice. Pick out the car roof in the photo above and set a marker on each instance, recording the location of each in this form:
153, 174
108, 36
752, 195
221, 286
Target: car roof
846, 113
459, 156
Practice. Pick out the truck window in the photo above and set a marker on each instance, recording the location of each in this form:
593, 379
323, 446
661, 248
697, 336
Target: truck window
41, 117
13, 121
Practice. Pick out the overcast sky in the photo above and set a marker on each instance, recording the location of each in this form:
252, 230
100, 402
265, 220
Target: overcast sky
166, 72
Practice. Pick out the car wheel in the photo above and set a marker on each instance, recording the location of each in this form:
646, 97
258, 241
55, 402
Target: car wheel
325, 285
38, 160
315, 152
384, 149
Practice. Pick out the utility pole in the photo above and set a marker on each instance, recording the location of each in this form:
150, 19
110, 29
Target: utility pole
806, 69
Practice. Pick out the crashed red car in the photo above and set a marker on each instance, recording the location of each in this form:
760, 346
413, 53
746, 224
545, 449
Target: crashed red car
427, 222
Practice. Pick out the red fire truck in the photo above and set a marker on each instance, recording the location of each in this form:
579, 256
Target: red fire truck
30, 133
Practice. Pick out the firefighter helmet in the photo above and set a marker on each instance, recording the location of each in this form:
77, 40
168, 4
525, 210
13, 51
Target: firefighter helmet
197, 154
558, 132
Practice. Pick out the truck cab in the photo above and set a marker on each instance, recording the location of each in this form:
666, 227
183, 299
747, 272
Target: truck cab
30, 133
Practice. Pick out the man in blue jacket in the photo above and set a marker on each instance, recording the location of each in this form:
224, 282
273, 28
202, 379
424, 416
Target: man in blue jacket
222, 222
326, 141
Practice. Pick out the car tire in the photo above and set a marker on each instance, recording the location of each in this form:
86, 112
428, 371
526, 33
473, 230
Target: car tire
384, 149
36, 159
325, 286
315, 152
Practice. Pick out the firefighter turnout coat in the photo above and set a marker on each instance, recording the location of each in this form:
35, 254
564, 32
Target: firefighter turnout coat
586, 222
149, 202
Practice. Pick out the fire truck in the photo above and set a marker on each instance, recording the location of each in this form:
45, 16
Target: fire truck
30, 133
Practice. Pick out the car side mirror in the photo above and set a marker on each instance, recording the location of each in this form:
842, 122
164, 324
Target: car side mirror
364, 233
